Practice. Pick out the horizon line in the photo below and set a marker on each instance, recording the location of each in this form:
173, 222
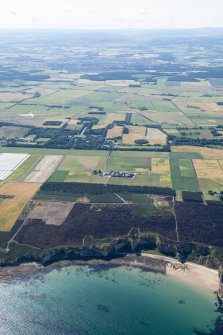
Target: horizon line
110, 29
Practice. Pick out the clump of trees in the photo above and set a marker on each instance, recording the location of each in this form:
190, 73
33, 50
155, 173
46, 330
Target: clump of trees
52, 123
141, 142
201, 142
192, 196
90, 188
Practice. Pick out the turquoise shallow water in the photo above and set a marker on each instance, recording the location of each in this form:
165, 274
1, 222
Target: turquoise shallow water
89, 301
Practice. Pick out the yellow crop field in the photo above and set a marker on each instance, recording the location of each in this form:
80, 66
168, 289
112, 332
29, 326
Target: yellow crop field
115, 132
171, 118
209, 106
135, 133
73, 122
89, 162
172, 131
221, 163
121, 83
79, 163
11, 208
161, 167
99, 126
206, 153
111, 117
155, 136
14, 96
208, 169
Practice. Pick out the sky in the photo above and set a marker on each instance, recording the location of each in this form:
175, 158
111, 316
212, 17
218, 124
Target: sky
110, 14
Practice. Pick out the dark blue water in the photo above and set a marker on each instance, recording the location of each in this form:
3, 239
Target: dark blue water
84, 301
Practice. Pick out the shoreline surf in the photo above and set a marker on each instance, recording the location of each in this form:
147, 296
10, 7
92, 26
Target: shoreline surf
192, 273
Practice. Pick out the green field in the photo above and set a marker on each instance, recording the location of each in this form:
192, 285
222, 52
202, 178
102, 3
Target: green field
141, 120
139, 155
183, 175
133, 164
137, 198
79, 168
185, 155
25, 168
60, 97
42, 151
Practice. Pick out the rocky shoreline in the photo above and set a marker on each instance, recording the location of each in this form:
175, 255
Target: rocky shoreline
24, 269
146, 262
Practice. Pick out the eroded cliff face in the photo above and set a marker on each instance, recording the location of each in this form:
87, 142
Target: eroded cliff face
182, 251
220, 292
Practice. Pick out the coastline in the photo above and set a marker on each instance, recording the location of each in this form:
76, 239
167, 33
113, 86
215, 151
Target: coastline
194, 274
25, 269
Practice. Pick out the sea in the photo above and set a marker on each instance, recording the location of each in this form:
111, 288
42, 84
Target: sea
101, 300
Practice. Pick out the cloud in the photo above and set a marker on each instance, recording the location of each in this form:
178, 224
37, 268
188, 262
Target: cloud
69, 11
13, 13
143, 13
111, 14
35, 19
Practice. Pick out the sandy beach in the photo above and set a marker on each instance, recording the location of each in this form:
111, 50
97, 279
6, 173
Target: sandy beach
192, 273
195, 274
